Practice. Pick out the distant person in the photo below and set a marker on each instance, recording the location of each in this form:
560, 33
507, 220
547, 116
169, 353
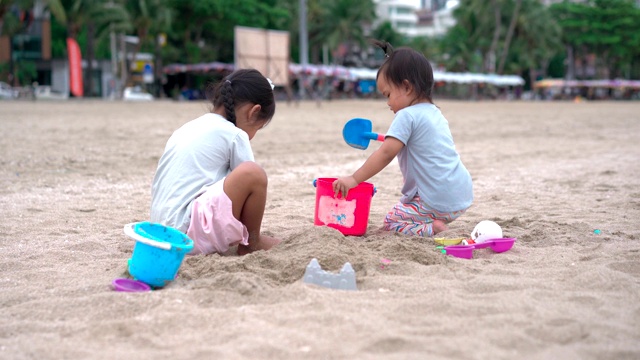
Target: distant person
34, 90
207, 184
437, 187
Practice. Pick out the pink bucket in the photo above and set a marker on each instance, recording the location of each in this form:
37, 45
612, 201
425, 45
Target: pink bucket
348, 215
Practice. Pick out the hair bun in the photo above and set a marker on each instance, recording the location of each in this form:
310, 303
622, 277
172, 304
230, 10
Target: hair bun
384, 45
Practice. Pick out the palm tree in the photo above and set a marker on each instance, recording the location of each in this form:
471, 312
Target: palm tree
537, 39
342, 22
148, 18
510, 31
204, 29
481, 21
458, 51
490, 62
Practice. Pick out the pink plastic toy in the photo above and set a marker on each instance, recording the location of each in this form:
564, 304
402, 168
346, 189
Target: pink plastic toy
466, 251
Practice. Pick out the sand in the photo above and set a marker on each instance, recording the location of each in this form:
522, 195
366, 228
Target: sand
550, 173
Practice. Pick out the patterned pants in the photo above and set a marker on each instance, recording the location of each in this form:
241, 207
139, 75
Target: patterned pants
414, 218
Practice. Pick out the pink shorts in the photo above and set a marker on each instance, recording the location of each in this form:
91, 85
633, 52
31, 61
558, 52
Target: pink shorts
213, 228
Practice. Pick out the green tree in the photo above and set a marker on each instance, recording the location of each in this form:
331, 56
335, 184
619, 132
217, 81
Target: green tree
330, 23
482, 24
606, 29
520, 31
460, 50
536, 40
429, 46
342, 23
509, 36
204, 29
385, 32
148, 19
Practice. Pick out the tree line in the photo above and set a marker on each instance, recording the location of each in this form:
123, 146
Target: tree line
521, 37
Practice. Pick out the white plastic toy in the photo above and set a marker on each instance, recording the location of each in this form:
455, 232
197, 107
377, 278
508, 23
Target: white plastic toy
345, 280
485, 231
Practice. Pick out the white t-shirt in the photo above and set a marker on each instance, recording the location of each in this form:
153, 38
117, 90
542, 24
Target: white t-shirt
429, 162
197, 155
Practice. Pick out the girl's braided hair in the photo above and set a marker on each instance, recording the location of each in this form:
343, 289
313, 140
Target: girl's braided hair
241, 87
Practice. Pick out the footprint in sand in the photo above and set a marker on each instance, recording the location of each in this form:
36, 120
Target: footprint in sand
628, 267
559, 331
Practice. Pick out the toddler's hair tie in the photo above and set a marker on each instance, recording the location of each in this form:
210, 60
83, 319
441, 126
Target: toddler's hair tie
271, 83
228, 81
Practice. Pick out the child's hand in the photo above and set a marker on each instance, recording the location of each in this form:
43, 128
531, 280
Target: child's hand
343, 185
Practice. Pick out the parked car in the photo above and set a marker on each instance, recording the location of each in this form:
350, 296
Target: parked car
136, 93
46, 93
7, 92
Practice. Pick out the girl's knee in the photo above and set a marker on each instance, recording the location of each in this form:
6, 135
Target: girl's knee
250, 171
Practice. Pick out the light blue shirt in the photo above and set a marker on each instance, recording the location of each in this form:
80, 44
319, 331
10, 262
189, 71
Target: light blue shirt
197, 155
429, 162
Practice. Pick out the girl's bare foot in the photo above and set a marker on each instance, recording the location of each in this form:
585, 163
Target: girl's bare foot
265, 243
439, 226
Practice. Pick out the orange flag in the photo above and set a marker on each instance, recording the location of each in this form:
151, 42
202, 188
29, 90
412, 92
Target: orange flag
75, 67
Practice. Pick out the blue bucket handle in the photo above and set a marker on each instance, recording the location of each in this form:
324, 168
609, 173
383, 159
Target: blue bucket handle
129, 231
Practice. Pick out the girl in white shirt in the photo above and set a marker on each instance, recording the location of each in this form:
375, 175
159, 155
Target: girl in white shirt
207, 183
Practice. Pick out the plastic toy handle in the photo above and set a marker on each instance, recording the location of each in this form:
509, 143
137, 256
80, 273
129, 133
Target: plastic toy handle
375, 189
483, 245
373, 136
128, 230
466, 251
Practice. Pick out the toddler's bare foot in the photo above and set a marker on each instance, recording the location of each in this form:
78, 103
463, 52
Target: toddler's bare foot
439, 226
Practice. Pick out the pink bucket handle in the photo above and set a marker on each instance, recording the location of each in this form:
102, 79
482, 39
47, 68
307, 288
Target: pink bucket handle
315, 184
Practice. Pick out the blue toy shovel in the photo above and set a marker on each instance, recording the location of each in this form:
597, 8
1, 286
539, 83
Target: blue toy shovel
357, 133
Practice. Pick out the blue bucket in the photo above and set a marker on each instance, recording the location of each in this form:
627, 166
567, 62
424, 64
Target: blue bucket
158, 252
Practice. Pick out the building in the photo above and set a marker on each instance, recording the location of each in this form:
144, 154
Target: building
400, 13
425, 17
435, 17
33, 45
417, 17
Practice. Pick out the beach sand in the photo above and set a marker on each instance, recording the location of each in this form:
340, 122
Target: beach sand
549, 173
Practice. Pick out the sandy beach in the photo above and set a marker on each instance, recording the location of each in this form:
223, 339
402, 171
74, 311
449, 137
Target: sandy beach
74, 173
